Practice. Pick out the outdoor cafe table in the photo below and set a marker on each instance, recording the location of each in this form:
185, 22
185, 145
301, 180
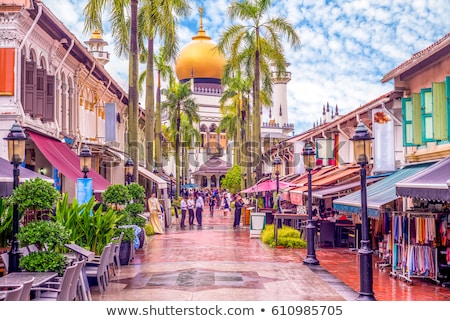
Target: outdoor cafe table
280, 216
15, 279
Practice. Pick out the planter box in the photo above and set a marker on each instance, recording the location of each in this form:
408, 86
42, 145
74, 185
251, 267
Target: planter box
125, 252
257, 224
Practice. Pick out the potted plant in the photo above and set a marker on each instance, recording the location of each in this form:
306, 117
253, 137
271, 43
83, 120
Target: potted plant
126, 250
90, 226
35, 195
117, 195
49, 237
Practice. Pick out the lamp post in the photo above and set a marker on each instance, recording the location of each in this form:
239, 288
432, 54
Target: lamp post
155, 171
171, 186
255, 179
277, 167
129, 167
85, 160
16, 153
362, 149
309, 162
245, 180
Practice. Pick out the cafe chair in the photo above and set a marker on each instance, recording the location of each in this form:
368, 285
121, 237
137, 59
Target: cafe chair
327, 233
99, 271
117, 251
25, 295
56, 291
5, 260
14, 294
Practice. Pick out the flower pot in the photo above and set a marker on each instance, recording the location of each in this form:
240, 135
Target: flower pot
125, 252
141, 237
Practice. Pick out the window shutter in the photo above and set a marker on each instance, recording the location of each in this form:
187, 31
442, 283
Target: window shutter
426, 102
447, 103
30, 88
49, 109
407, 115
439, 111
417, 119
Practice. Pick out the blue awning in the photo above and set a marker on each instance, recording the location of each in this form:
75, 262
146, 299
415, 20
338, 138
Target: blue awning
379, 193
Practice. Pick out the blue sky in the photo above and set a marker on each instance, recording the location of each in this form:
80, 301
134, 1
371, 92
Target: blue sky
347, 46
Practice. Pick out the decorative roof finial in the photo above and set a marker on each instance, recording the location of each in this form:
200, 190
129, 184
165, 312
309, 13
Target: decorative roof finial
200, 10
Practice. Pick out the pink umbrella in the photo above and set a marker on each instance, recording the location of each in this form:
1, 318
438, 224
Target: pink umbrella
269, 185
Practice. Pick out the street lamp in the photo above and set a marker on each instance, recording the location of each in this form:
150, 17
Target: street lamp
16, 153
362, 149
171, 185
155, 171
255, 179
129, 167
277, 168
309, 162
245, 180
85, 160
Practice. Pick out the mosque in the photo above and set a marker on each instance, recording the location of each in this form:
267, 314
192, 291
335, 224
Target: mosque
201, 64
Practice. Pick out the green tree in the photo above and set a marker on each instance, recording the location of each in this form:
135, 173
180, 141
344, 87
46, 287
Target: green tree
157, 19
35, 194
258, 37
179, 100
233, 179
164, 72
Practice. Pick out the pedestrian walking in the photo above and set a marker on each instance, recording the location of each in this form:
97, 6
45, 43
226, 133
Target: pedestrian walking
184, 208
199, 204
190, 206
155, 210
226, 204
212, 204
238, 204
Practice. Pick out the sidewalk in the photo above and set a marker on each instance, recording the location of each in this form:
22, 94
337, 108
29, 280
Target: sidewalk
217, 263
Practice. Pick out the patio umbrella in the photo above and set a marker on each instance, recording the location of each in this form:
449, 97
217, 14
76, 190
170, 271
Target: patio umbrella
269, 185
189, 186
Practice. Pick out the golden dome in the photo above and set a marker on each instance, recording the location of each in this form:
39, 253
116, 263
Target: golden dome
200, 58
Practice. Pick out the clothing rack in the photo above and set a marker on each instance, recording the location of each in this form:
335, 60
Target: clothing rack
385, 246
414, 255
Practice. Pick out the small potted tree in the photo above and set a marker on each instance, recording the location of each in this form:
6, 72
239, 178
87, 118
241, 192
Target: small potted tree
49, 237
35, 195
127, 244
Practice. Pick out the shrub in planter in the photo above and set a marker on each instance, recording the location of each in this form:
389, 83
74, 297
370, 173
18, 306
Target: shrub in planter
46, 235
287, 237
149, 230
135, 208
50, 238
43, 261
6, 217
35, 194
116, 194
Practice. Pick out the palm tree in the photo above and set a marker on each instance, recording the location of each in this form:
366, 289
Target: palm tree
157, 18
264, 36
122, 30
164, 72
178, 100
188, 135
232, 106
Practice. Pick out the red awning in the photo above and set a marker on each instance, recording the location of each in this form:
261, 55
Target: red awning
66, 161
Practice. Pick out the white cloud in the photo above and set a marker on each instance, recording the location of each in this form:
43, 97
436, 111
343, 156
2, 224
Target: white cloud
347, 45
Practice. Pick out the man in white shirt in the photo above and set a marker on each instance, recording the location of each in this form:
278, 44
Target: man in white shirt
190, 206
199, 204
184, 207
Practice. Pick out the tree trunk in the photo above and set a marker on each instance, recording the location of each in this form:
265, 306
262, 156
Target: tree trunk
149, 109
133, 95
